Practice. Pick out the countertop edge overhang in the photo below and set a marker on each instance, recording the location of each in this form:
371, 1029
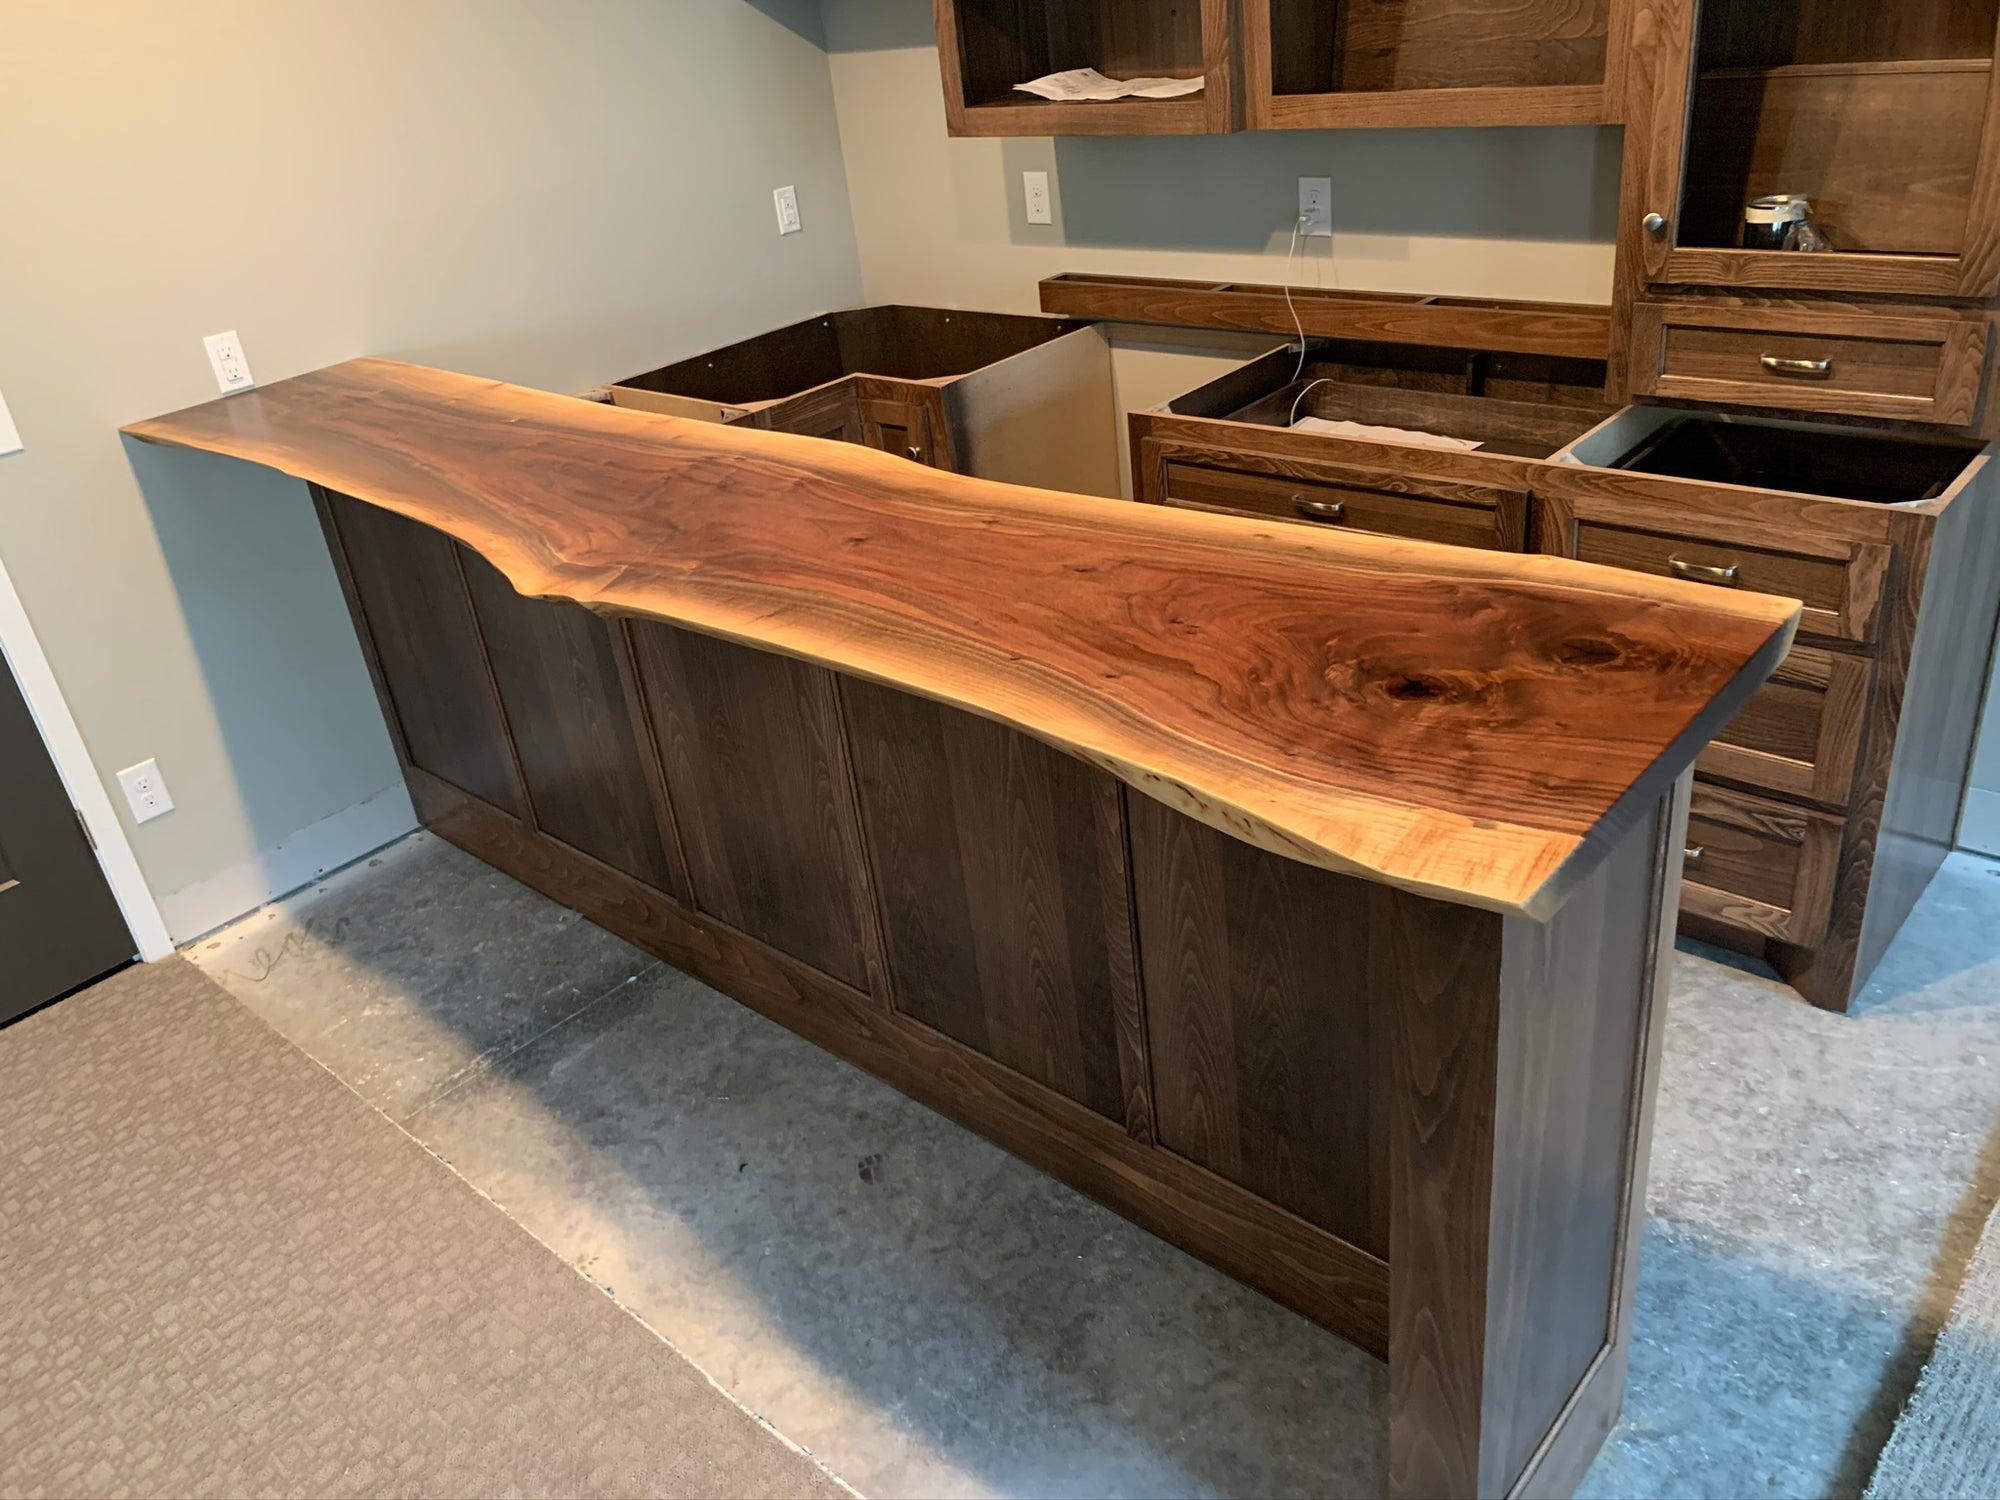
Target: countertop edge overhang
1476, 727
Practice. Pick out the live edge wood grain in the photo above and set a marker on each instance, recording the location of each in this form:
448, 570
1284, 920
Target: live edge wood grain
1471, 726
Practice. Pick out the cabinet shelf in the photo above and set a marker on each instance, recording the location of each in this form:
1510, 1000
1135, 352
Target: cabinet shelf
1331, 64
1886, 150
986, 48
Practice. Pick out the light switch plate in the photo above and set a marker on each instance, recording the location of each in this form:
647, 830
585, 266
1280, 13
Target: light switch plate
787, 199
145, 791
10, 435
225, 357
1035, 189
1316, 206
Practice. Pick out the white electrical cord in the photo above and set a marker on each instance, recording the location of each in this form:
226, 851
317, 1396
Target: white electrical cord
1297, 224
1293, 419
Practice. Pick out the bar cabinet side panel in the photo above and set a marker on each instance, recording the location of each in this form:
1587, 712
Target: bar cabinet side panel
1576, 996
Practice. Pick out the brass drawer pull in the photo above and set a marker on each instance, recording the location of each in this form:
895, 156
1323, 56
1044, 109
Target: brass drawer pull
1320, 510
1693, 853
1810, 369
1703, 573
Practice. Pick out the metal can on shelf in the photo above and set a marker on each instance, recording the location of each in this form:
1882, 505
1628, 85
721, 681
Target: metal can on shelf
1781, 221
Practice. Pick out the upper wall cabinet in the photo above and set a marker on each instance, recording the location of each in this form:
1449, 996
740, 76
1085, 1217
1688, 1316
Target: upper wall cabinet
1883, 114
1321, 64
986, 48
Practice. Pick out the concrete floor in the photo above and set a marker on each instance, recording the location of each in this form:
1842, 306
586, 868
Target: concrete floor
931, 1317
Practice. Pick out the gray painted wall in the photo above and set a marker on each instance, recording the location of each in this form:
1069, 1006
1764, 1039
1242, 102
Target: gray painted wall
544, 192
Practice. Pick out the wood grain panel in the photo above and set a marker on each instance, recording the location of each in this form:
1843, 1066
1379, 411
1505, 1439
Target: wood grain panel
1801, 735
1570, 1060
1279, 1254
1309, 498
1764, 868
989, 851
568, 719
1576, 331
1522, 1063
757, 771
1268, 1057
1328, 730
1905, 368
426, 647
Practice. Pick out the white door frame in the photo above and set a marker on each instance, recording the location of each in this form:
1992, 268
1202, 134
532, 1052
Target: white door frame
23, 653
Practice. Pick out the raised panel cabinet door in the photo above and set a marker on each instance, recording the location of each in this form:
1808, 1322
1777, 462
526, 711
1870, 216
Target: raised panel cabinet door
581, 757
904, 419
408, 595
59, 925
832, 412
1006, 920
757, 772
1268, 1044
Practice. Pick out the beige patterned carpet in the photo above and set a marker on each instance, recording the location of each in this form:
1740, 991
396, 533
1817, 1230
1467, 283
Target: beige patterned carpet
223, 1273
1947, 1444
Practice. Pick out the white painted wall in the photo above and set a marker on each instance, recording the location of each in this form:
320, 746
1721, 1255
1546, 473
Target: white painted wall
547, 192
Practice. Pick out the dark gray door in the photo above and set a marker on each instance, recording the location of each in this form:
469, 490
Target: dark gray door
59, 926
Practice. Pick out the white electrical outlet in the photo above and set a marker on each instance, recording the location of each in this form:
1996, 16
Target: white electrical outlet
225, 355
1316, 206
145, 791
1035, 188
10, 435
787, 199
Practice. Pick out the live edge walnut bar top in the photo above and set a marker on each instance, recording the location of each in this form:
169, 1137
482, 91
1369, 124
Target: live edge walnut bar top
1452, 722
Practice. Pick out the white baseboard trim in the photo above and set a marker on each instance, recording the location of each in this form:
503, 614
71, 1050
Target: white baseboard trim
1979, 824
198, 909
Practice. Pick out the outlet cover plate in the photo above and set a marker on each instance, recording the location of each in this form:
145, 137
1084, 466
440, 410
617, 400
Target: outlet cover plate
787, 200
225, 357
1035, 192
145, 791
1316, 206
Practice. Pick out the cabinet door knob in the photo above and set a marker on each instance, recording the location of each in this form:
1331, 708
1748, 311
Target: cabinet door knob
1319, 510
1811, 369
1693, 853
915, 452
1654, 224
1703, 573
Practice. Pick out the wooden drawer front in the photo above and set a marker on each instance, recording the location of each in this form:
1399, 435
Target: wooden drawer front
1841, 588
1801, 733
1910, 369
1761, 866
1467, 516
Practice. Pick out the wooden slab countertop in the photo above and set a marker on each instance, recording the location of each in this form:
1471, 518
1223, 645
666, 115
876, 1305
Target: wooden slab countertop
1464, 724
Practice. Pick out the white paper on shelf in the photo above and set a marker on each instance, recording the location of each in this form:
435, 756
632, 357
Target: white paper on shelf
1087, 84
1370, 434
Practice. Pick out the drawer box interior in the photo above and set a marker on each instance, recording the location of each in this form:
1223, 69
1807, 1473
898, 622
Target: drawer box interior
1803, 458
1518, 404
902, 343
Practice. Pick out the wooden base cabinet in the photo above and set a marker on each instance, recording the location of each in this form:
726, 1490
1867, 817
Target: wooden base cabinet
1422, 1125
1023, 400
1824, 808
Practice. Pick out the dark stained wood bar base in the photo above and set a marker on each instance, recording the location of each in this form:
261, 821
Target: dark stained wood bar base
1302, 898
1420, 1124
